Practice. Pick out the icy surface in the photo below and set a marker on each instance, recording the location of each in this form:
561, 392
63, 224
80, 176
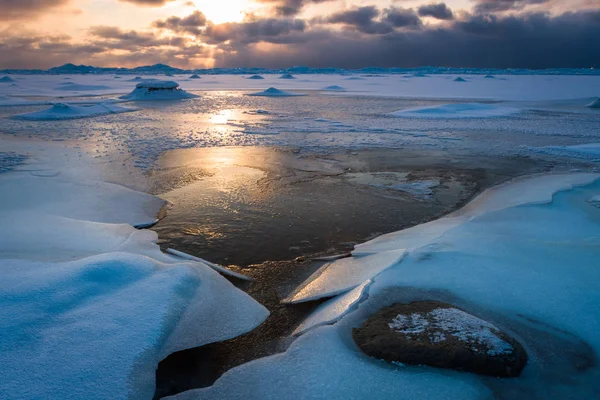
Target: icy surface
464, 110
6, 79
287, 76
590, 151
453, 322
158, 90
273, 92
595, 103
332, 310
68, 111
334, 88
345, 274
255, 77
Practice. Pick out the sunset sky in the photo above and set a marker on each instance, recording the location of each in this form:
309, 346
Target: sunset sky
317, 33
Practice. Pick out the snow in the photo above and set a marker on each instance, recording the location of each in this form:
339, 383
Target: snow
88, 304
273, 92
61, 111
446, 322
74, 87
595, 104
459, 79
457, 110
287, 76
6, 79
344, 274
216, 267
158, 90
255, 77
194, 77
334, 88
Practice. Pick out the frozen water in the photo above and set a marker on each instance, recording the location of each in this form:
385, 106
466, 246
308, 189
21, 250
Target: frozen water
255, 77
595, 103
74, 87
194, 76
158, 90
460, 110
334, 88
459, 79
273, 92
590, 151
216, 267
287, 76
68, 111
344, 274
333, 309
6, 79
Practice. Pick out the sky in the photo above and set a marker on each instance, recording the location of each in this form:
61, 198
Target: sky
315, 33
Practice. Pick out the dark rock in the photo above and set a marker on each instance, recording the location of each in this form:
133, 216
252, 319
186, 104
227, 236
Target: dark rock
440, 335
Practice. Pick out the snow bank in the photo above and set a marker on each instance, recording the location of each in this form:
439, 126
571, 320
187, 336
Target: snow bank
457, 110
60, 111
273, 92
510, 255
334, 88
158, 90
88, 304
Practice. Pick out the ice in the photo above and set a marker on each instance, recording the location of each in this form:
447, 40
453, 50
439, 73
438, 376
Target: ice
344, 274
255, 77
158, 90
287, 76
529, 190
325, 364
595, 104
334, 88
459, 79
90, 201
74, 87
194, 77
273, 92
332, 310
216, 267
6, 79
61, 111
590, 151
457, 110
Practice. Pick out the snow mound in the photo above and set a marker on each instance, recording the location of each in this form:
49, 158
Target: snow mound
489, 77
287, 76
255, 77
595, 104
344, 274
158, 90
136, 79
273, 92
195, 76
334, 88
459, 79
61, 111
74, 87
457, 110
6, 79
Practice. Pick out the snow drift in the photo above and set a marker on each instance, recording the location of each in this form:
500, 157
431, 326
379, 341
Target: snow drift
61, 111
158, 90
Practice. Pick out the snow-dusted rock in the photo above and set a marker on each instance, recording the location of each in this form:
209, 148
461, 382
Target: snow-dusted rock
440, 335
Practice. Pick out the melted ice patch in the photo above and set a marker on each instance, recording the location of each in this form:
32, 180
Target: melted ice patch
457, 110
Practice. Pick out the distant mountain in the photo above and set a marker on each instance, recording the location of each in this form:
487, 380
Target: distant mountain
163, 69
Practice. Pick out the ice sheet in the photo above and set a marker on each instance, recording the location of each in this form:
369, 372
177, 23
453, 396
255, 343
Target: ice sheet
457, 110
68, 111
344, 274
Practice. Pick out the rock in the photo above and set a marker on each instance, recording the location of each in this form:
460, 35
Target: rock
440, 335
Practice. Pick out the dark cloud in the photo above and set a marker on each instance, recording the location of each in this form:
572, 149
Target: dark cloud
363, 19
288, 8
436, 10
190, 24
488, 6
267, 30
22, 9
118, 39
402, 17
519, 41
148, 3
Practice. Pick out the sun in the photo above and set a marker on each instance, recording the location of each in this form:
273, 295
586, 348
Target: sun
223, 10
